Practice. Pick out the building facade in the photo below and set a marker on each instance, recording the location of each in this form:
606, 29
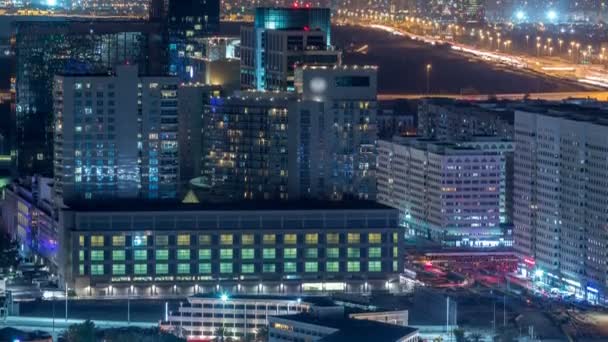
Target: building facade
332, 133
245, 146
281, 38
560, 197
445, 192
96, 47
116, 136
262, 247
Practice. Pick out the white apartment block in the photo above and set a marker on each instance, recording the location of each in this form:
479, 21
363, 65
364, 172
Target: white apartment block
445, 192
116, 135
561, 196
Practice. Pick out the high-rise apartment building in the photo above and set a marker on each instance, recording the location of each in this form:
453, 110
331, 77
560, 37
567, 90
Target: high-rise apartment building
245, 146
332, 133
445, 192
560, 198
187, 21
116, 136
95, 47
279, 40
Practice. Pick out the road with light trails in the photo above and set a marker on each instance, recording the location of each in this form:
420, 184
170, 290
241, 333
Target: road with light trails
592, 95
60, 324
589, 75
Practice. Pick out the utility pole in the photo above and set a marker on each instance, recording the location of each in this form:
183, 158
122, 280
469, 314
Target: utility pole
504, 310
494, 315
53, 314
66, 302
129, 305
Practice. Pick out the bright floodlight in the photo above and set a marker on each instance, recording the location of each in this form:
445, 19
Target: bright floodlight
224, 297
520, 15
539, 273
552, 15
51, 3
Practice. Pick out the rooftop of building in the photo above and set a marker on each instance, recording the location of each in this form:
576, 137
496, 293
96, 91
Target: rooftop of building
447, 147
171, 205
353, 330
570, 111
315, 300
500, 108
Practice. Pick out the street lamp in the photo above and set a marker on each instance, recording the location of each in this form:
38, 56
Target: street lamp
428, 78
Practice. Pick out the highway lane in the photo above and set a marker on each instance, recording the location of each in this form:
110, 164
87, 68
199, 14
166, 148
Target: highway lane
558, 96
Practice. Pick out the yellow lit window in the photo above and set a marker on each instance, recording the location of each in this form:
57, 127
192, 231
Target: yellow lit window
247, 239
374, 238
204, 239
183, 240
395, 252
312, 239
290, 239
270, 239
226, 239
333, 238
81, 240
395, 237
97, 241
354, 237
118, 240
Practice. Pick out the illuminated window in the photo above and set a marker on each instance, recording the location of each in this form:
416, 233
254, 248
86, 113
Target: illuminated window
140, 269
226, 239
354, 237
183, 254
290, 239
81, 269
140, 254
269, 253
290, 253
183, 240
353, 252
270, 239
395, 237
374, 238
183, 268
97, 241
353, 266
118, 255
375, 252
312, 239
247, 239
81, 255
311, 253
97, 270
374, 266
290, 267
140, 241
204, 254
162, 254
81, 240
96, 255
162, 240
226, 267
204, 268
247, 268
332, 238
118, 240
204, 239
395, 252
268, 268
333, 253
395, 266
226, 253
310, 266
247, 253
332, 266
118, 269
162, 269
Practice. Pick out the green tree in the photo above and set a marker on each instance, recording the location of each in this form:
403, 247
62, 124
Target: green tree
83, 332
262, 335
9, 252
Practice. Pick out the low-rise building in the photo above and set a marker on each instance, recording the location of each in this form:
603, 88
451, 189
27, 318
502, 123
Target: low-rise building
165, 248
